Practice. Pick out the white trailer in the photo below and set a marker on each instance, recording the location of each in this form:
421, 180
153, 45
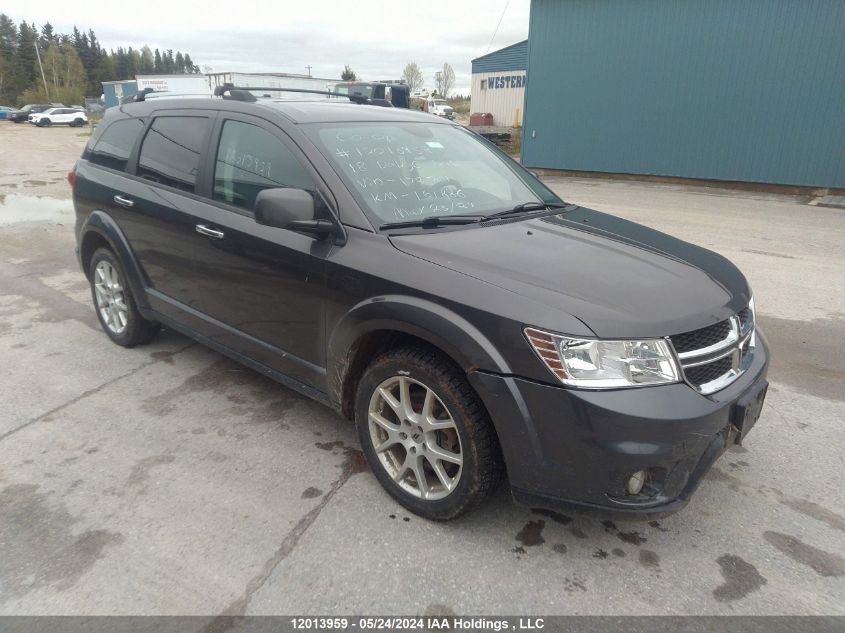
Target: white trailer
176, 84
271, 80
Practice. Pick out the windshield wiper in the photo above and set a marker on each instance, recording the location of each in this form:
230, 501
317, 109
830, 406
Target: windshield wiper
527, 207
434, 221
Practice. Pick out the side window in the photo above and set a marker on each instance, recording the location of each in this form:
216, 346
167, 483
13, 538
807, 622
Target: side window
115, 144
250, 159
170, 152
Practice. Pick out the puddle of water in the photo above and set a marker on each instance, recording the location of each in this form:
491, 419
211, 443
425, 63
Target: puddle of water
15, 209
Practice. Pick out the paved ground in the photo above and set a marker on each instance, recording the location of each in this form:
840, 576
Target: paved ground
169, 480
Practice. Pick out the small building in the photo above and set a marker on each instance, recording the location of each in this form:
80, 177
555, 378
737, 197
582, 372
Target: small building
743, 90
114, 91
498, 84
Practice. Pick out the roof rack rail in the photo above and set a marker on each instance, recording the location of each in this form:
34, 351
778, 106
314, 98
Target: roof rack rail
244, 93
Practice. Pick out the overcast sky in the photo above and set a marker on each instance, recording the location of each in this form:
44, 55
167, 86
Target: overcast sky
375, 38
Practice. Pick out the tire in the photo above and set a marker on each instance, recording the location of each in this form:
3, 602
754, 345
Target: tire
77, 123
114, 304
463, 432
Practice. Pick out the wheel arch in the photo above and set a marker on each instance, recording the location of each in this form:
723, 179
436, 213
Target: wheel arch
100, 231
376, 325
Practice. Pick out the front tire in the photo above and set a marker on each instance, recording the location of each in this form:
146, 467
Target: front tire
426, 434
77, 123
116, 308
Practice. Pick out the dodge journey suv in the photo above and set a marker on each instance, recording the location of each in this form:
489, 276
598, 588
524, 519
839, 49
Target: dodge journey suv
407, 273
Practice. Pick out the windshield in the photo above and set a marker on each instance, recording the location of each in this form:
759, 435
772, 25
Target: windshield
410, 171
439, 102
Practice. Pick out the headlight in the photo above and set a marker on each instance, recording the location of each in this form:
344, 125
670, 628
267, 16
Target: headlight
593, 364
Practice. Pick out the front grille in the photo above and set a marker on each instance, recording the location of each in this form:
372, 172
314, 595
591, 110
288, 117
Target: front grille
712, 357
745, 318
704, 337
702, 374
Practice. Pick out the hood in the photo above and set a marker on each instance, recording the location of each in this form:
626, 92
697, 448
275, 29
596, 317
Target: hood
623, 280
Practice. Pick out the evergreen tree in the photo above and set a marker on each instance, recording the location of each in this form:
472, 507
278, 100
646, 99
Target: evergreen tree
26, 60
180, 63
157, 66
47, 36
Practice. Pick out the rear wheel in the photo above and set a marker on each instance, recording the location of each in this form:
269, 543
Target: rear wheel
115, 305
426, 434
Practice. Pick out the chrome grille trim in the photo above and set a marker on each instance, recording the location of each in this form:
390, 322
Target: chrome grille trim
737, 346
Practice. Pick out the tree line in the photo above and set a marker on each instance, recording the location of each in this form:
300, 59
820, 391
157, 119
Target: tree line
74, 64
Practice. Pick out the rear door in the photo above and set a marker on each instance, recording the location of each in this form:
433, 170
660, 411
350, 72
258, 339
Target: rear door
157, 209
62, 115
263, 287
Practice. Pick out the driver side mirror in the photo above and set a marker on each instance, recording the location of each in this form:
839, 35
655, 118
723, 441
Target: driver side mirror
292, 209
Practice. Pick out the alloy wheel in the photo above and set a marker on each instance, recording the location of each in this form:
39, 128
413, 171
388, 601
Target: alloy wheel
111, 301
415, 438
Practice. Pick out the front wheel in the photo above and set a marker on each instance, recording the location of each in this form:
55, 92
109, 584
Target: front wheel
426, 434
78, 123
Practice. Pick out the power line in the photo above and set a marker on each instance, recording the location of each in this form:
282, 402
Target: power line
501, 17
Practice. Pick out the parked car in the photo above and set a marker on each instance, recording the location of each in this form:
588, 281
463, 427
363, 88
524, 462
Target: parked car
4, 111
19, 116
74, 117
407, 273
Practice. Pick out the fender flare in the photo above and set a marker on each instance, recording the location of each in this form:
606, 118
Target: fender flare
102, 224
426, 320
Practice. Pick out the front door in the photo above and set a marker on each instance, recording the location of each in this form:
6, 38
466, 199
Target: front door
262, 287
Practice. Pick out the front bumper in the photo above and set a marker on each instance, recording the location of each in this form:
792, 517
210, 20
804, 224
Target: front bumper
570, 447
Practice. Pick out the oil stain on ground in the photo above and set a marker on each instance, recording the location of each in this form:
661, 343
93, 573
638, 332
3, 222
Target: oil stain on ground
532, 533
741, 578
823, 563
40, 548
632, 538
649, 559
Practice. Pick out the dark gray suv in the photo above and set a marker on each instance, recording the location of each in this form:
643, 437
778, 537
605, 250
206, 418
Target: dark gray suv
410, 275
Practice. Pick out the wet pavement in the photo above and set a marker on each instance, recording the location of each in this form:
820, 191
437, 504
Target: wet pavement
167, 479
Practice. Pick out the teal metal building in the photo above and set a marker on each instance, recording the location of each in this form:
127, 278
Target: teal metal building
732, 90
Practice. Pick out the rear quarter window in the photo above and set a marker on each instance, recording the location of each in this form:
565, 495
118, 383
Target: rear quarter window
113, 146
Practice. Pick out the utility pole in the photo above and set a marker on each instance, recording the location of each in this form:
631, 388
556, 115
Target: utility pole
309, 69
43, 78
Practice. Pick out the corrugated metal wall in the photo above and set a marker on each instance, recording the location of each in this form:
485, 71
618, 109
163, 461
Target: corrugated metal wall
504, 103
741, 90
511, 57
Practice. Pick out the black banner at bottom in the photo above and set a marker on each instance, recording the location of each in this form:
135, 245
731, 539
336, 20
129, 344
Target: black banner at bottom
422, 624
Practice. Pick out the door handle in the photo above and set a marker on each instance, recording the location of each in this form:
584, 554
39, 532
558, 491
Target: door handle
202, 229
126, 203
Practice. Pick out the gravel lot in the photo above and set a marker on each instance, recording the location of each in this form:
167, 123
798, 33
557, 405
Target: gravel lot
169, 480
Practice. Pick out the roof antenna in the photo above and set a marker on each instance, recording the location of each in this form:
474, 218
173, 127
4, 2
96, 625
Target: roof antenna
501, 17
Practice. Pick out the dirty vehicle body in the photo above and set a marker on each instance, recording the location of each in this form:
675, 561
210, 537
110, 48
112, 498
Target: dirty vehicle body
407, 273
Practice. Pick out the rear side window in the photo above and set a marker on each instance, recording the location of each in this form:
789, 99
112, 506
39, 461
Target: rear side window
115, 143
170, 153
250, 159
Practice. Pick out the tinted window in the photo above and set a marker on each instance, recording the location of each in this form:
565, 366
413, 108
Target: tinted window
170, 153
116, 143
250, 159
